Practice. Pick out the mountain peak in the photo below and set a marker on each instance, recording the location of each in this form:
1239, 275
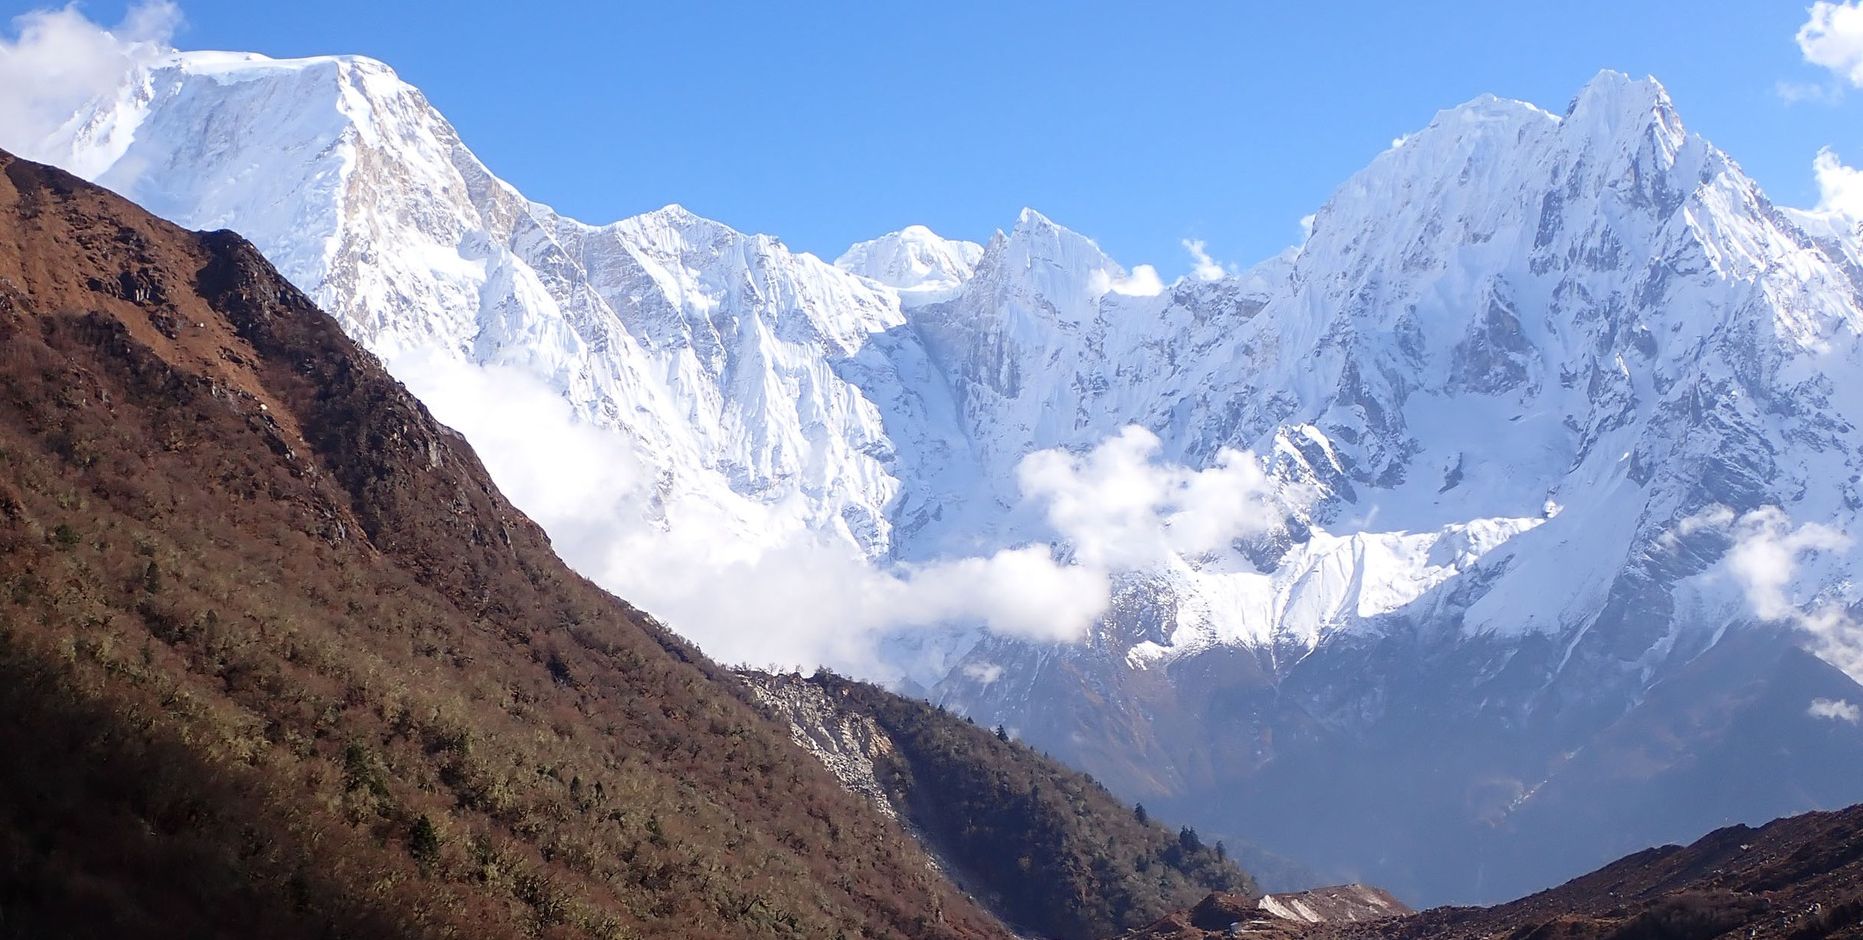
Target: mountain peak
234, 66
672, 227
672, 214
923, 266
1041, 266
1613, 107
1029, 218
1618, 92
1034, 229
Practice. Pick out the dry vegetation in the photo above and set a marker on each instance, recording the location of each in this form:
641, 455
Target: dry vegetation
276, 659
1045, 846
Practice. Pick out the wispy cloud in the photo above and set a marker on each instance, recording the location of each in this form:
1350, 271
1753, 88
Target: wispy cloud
801, 599
1203, 268
1809, 92
1766, 554
983, 673
54, 61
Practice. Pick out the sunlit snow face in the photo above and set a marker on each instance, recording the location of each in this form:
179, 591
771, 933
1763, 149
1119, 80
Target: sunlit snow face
977, 410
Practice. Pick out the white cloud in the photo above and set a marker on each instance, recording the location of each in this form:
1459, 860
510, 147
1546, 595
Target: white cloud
1832, 38
1143, 281
56, 60
1202, 267
1765, 559
1840, 187
1835, 710
983, 673
800, 599
1120, 508
1766, 554
1714, 518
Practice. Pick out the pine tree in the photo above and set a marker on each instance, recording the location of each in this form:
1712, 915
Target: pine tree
1188, 838
424, 840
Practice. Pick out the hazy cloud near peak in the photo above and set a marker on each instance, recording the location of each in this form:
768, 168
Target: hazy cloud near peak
1766, 555
1142, 281
1765, 558
53, 61
1121, 508
799, 599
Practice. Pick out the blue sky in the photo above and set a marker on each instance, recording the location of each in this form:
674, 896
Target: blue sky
1139, 125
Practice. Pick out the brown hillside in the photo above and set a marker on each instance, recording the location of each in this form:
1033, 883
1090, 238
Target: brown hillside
1799, 878
277, 659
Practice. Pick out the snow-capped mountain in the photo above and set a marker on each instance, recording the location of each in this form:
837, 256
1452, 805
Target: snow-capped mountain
1529, 372
719, 356
914, 261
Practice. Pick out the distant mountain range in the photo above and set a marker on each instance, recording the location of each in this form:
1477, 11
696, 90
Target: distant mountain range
1515, 456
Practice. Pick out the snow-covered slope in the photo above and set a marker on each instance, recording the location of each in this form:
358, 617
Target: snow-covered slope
722, 359
758, 392
914, 261
1590, 331
1526, 374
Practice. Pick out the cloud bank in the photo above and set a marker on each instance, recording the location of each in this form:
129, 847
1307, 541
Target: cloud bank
798, 599
54, 61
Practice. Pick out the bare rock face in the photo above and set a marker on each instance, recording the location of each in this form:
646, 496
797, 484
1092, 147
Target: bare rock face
1044, 847
1335, 905
845, 741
